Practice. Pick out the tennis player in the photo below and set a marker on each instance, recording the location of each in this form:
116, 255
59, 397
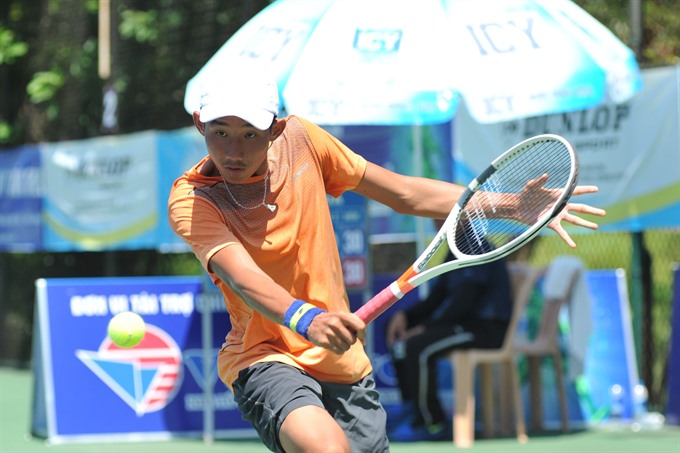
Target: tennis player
254, 212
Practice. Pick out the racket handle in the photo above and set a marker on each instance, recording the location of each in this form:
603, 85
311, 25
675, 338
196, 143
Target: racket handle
378, 304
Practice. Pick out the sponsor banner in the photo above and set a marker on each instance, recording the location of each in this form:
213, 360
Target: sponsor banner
178, 151
21, 191
610, 362
89, 390
101, 194
348, 213
631, 151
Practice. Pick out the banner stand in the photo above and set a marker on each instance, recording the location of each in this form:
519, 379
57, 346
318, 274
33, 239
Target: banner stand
210, 291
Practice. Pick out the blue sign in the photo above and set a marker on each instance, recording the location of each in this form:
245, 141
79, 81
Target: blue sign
673, 378
152, 391
348, 213
611, 369
177, 152
20, 199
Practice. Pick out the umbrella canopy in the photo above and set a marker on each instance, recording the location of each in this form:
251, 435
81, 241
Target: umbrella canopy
408, 62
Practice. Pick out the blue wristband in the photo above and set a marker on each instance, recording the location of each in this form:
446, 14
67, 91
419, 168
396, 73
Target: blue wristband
299, 316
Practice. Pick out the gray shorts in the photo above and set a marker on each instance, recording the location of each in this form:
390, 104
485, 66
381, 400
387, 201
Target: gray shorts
267, 392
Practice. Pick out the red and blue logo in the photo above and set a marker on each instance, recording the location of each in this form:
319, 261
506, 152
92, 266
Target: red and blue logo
146, 377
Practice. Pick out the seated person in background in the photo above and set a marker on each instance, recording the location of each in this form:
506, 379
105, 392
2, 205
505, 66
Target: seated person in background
466, 308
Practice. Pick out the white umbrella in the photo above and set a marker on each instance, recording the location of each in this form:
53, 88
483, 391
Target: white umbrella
409, 62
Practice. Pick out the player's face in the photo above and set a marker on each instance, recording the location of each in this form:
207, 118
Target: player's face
237, 149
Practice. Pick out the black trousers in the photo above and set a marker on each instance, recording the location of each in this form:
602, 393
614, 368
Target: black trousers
415, 361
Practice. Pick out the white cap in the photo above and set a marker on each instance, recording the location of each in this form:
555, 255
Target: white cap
249, 93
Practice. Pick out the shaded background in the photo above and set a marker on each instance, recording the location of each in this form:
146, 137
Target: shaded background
51, 90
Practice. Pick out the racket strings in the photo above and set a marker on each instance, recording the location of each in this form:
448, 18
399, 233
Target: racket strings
483, 226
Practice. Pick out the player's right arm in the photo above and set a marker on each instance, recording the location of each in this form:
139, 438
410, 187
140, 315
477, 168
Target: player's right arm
234, 266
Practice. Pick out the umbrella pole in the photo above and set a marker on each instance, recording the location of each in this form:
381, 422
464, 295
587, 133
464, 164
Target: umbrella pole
417, 134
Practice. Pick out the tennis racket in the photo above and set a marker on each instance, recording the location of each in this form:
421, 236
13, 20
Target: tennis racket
504, 208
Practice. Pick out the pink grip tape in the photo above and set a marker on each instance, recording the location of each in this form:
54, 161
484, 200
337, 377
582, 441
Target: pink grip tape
377, 305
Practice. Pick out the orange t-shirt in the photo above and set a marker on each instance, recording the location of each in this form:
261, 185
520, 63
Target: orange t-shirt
295, 245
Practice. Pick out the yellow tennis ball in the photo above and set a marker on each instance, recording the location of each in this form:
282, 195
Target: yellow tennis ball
126, 329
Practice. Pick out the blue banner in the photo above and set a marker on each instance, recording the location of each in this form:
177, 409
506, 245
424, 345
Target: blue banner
21, 193
673, 377
178, 151
611, 368
348, 213
151, 391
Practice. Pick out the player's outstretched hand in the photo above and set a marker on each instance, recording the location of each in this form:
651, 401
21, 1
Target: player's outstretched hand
567, 215
336, 331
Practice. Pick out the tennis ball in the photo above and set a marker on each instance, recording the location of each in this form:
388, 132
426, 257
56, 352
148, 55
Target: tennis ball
126, 329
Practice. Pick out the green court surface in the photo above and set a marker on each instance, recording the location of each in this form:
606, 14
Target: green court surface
15, 420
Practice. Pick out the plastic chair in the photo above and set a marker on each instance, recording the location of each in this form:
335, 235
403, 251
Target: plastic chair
465, 362
545, 344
